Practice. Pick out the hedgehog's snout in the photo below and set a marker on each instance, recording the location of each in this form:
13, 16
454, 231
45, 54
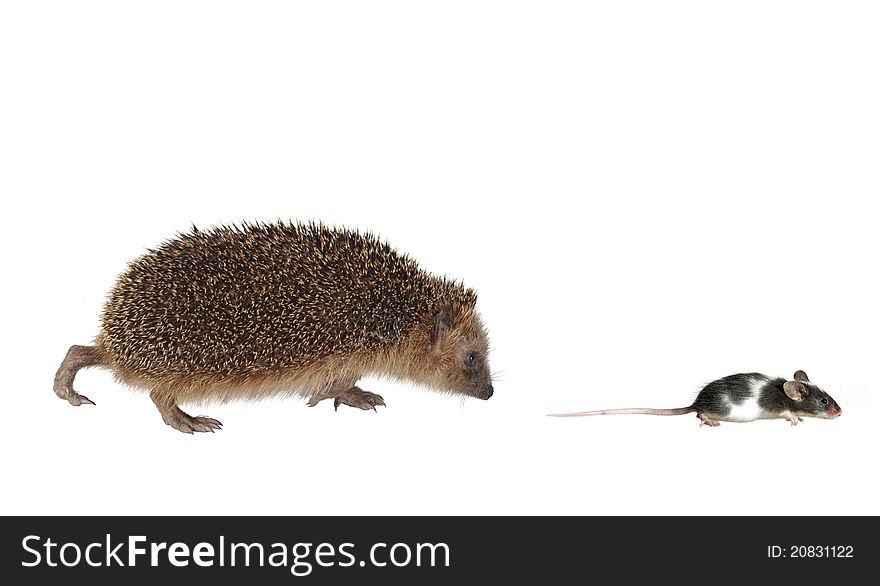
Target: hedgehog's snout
488, 392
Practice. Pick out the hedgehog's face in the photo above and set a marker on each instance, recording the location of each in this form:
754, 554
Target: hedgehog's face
461, 351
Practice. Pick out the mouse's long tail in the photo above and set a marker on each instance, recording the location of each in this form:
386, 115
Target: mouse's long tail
633, 411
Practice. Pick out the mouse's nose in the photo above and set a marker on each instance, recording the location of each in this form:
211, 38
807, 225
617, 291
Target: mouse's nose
489, 392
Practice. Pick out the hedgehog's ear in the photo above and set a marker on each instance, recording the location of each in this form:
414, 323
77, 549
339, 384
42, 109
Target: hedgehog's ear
442, 324
795, 390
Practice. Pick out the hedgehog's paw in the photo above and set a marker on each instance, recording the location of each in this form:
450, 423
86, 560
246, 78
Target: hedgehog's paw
355, 397
78, 357
75, 398
202, 423
189, 424
172, 415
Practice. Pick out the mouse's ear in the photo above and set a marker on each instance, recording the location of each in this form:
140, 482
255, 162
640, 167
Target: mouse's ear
801, 376
795, 390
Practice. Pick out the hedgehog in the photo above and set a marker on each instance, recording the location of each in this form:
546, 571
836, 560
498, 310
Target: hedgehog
258, 309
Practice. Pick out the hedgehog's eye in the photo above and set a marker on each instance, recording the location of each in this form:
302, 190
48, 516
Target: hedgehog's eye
824, 401
471, 358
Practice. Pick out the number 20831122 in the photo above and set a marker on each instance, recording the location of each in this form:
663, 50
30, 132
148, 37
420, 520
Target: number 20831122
810, 551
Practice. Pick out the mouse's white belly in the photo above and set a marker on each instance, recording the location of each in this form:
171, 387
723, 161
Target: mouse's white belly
748, 410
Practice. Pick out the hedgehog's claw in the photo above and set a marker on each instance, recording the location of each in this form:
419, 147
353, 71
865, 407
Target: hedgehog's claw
76, 399
360, 399
202, 423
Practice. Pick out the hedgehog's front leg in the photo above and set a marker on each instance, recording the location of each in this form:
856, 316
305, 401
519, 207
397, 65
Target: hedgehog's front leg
356, 397
346, 393
172, 414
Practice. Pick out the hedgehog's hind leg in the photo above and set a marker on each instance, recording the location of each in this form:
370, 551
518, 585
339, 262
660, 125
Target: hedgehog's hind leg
77, 357
172, 414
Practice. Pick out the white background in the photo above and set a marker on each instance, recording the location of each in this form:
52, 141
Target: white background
647, 196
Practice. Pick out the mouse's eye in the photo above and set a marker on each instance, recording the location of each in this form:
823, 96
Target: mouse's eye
824, 401
471, 358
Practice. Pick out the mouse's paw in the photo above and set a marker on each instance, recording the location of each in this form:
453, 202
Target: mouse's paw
355, 397
704, 420
794, 419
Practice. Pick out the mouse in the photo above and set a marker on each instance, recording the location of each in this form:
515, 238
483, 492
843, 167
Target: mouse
747, 397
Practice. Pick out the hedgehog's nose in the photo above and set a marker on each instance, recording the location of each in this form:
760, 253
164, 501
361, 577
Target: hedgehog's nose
489, 392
